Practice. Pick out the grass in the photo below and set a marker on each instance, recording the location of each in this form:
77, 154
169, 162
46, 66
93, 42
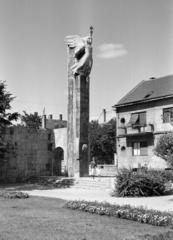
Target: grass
47, 219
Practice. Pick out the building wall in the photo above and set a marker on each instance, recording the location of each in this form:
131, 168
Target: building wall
154, 117
60, 136
29, 153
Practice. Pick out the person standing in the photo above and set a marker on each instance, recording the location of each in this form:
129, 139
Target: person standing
93, 167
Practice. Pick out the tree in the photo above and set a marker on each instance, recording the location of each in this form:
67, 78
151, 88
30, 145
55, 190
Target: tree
31, 120
6, 98
103, 141
6, 117
164, 148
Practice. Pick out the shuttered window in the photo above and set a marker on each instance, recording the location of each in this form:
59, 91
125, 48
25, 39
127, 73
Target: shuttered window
133, 119
138, 119
139, 148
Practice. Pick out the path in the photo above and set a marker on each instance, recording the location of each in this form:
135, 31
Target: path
164, 203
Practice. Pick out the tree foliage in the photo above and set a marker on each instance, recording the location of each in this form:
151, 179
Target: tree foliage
103, 141
32, 120
6, 98
6, 117
164, 148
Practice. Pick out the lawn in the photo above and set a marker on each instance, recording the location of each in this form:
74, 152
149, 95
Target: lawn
47, 219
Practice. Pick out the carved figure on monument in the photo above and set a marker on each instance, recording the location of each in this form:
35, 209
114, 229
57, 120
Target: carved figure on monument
82, 53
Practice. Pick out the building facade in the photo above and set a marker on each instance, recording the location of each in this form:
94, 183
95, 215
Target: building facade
58, 128
143, 115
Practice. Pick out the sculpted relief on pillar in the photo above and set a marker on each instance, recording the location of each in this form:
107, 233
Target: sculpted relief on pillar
82, 53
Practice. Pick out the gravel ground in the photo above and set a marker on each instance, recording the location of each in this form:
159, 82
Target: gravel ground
163, 203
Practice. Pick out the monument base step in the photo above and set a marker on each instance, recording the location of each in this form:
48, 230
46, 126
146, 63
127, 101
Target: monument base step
102, 183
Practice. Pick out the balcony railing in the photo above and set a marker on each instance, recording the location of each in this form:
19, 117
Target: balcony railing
130, 130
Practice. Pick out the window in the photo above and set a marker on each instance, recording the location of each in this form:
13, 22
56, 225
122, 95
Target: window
139, 149
123, 148
122, 120
138, 119
168, 115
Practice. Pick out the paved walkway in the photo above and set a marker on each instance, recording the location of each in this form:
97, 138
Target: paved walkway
164, 203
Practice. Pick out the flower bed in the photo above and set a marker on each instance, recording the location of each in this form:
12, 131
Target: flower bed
141, 215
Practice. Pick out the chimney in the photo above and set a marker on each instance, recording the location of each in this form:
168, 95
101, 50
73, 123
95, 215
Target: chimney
104, 115
43, 123
50, 116
60, 117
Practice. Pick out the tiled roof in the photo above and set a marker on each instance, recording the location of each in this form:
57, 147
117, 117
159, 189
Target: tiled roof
148, 90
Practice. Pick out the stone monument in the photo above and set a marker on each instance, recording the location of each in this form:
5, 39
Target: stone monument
79, 68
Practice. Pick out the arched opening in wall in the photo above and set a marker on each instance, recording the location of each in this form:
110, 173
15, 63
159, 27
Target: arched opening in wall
58, 161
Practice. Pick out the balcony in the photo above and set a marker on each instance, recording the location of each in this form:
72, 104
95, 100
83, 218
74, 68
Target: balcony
135, 130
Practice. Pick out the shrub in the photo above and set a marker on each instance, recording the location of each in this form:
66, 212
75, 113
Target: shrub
141, 215
164, 148
13, 195
141, 183
167, 175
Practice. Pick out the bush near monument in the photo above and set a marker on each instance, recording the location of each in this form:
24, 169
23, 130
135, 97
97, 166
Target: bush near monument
103, 141
142, 183
164, 148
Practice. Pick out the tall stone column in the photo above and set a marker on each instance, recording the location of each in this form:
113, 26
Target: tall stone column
79, 67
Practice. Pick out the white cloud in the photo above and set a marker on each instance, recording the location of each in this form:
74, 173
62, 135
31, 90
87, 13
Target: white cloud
111, 50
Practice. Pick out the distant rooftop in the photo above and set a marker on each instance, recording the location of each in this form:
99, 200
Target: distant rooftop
149, 90
50, 123
55, 123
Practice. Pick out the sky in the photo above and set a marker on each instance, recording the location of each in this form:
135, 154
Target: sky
132, 41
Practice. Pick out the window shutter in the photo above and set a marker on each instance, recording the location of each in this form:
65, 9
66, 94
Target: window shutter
144, 148
134, 118
142, 119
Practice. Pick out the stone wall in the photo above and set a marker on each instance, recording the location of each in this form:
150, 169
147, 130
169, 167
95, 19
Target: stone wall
29, 153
